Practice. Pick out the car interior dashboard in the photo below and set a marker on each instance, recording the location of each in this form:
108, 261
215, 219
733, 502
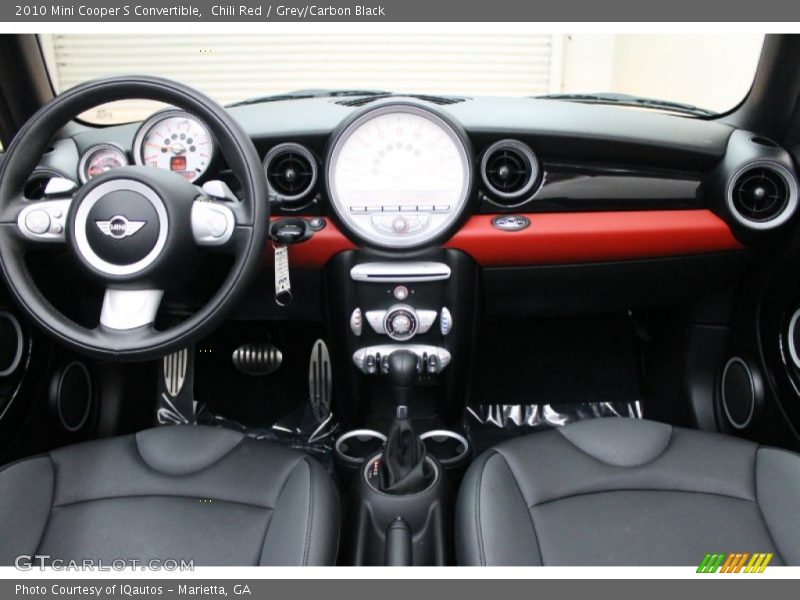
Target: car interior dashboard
477, 266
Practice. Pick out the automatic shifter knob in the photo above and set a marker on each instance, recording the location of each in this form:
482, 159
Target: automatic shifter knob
402, 373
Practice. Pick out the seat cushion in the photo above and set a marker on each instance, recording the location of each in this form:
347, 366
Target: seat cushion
627, 492
197, 493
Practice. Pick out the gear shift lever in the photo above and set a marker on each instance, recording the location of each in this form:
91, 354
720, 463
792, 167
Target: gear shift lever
406, 469
402, 373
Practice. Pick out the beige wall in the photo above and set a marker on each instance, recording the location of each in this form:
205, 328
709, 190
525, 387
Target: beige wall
711, 71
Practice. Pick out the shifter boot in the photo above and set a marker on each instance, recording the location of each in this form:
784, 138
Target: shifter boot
405, 470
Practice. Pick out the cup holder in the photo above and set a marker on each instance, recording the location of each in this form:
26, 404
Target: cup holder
354, 447
450, 448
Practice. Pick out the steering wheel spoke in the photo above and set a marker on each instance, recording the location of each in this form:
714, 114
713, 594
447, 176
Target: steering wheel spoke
43, 221
214, 224
125, 309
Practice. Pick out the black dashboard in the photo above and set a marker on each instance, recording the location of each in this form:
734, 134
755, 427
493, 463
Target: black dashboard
564, 157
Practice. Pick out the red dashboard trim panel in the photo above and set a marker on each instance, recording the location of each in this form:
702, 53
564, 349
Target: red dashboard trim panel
560, 238
563, 238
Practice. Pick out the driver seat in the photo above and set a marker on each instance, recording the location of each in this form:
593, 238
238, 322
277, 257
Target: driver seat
198, 493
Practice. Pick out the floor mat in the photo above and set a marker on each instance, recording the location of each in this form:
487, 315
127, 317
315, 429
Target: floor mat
288, 403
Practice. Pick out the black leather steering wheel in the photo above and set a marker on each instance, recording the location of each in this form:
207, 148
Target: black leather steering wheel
133, 229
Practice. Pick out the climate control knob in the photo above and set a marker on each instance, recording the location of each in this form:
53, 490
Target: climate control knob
401, 322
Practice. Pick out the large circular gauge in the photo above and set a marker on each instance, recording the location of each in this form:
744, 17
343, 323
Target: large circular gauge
175, 141
399, 176
100, 158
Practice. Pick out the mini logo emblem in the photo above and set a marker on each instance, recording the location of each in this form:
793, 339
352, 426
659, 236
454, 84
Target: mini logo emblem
119, 227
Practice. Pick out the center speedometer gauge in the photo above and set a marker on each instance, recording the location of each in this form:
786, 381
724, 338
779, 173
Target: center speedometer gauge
175, 141
399, 176
100, 158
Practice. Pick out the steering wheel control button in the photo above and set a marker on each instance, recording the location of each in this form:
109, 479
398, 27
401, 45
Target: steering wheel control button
44, 221
401, 322
400, 293
356, 322
445, 321
511, 222
37, 221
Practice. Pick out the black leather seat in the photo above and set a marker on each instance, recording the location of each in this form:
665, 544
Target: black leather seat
627, 492
195, 493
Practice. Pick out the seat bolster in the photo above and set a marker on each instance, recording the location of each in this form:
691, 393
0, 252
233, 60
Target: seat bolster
550, 467
614, 442
778, 494
304, 528
24, 506
183, 450
493, 522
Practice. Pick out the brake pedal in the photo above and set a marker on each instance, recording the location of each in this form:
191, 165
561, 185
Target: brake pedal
257, 359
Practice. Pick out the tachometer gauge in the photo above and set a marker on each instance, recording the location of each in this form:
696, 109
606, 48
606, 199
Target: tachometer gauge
100, 158
176, 141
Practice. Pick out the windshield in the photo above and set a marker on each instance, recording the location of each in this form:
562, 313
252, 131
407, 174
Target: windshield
710, 72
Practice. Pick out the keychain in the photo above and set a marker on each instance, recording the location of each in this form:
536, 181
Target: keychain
283, 285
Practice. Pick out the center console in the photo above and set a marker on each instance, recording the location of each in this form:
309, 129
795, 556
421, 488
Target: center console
403, 331
378, 304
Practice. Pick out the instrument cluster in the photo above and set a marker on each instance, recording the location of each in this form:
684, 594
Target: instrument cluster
171, 139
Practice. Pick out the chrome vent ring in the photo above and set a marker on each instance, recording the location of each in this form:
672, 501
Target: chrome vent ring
509, 169
291, 171
762, 195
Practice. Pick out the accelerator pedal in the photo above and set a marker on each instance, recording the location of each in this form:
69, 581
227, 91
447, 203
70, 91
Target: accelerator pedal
319, 381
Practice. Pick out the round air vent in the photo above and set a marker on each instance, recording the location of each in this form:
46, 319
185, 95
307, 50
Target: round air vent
291, 172
762, 195
509, 169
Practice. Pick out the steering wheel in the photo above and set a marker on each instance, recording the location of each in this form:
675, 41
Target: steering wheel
133, 229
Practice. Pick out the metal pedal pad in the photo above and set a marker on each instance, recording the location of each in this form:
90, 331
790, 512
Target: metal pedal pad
176, 403
257, 359
319, 380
